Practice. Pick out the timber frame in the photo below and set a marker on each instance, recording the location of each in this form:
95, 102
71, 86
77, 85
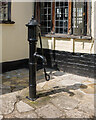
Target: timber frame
87, 27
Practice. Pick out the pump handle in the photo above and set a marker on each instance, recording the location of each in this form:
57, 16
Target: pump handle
47, 76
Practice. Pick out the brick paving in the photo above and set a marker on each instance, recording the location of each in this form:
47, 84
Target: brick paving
17, 80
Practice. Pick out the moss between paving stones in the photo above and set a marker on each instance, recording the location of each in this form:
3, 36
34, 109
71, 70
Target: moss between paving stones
41, 100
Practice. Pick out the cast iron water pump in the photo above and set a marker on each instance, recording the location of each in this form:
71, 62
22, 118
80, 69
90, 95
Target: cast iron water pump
33, 33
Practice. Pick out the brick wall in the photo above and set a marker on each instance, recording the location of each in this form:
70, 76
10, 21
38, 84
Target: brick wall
76, 63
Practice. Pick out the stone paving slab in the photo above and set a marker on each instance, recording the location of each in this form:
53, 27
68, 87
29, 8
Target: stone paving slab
64, 96
8, 102
76, 114
65, 103
25, 107
25, 115
1, 117
49, 111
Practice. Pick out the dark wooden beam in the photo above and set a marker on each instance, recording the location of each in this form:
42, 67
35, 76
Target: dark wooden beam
9, 11
37, 11
69, 16
89, 18
53, 16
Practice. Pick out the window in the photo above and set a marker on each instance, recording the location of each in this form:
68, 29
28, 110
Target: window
61, 17
79, 18
46, 17
64, 17
5, 11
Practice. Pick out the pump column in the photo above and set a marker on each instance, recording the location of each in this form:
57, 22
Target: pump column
32, 38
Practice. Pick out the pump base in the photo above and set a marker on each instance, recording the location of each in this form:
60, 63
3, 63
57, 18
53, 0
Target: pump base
32, 99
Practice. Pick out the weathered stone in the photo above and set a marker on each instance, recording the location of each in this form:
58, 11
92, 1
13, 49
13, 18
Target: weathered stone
8, 76
67, 82
76, 114
87, 107
65, 102
6, 89
0, 105
49, 111
31, 114
63, 96
41, 85
1, 117
25, 115
50, 84
23, 107
58, 73
89, 89
8, 101
79, 95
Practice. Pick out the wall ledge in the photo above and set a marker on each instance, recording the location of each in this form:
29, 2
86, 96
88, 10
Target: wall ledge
67, 36
7, 22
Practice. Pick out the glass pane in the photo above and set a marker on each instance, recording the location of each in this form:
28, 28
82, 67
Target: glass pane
78, 18
46, 17
3, 11
61, 30
61, 23
61, 17
57, 23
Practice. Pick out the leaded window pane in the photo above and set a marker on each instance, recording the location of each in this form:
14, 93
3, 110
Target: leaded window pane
61, 17
46, 17
3, 10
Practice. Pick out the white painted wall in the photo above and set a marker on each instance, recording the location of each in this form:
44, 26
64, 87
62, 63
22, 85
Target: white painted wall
69, 45
14, 37
94, 24
1, 43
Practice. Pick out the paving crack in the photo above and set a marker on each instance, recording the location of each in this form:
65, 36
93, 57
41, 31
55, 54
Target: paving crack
59, 109
4, 116
14, 108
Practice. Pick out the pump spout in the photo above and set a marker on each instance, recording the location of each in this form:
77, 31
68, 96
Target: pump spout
47, 76
41, 57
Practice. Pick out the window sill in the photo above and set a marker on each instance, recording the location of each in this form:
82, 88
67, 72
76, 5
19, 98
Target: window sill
7, 22
67, 36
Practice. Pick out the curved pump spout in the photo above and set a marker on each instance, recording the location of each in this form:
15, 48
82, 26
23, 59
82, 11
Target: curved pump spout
47, 76
41, 57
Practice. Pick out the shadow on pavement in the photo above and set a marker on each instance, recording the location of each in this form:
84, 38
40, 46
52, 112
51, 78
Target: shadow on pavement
63, 89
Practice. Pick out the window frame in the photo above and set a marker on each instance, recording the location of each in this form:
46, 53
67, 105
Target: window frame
8, 21
70, 9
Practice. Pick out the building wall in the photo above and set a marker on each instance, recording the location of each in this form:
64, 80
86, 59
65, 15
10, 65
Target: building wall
74, 45
14, 36
94, 24
77, 56
0, 43
69, 45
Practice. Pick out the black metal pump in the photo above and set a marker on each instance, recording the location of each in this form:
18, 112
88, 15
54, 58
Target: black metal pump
33, 28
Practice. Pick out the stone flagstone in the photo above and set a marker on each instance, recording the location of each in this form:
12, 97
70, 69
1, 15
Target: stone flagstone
65, 102
76, 114
1, 117
64, 96
31, 114
49, 111
23, 107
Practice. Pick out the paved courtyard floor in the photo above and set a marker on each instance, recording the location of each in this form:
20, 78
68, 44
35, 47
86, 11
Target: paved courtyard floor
64, 96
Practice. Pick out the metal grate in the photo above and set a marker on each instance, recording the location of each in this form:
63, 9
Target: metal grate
61, 17
46, 17
3, 10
